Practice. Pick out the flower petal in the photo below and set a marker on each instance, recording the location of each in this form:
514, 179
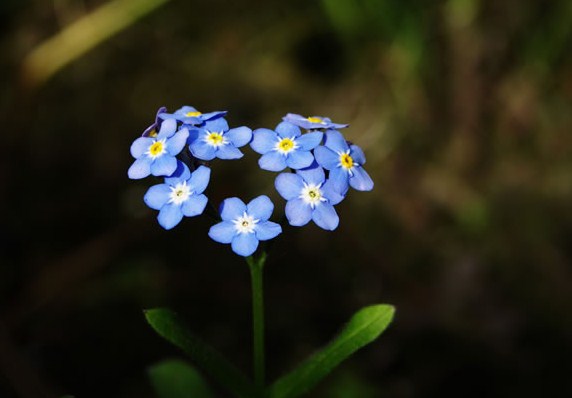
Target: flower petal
361, 181
223, 232
239, 136
194, 205
326, 158
228, 151
140, 168
231, 209
168, 128
339, 178
267, 230
170, 215
288, 130
289, 185
177, 142
272, 161
299, 159
298, 212
200, 179
263, 140
332, 194
140, 146
244, 244
310, 140
313, 174
218, 125
194, 134
336, 141
181, 173
260, 208
325, 217
157, 195
213, 115
202, 150
164, 165
357, 154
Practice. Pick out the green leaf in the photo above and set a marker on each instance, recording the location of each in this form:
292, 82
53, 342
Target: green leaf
167, 324
177, 379
364, 327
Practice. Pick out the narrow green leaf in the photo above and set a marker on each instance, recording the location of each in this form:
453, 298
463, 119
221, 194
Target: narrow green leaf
364, 327
174, 378
167, 324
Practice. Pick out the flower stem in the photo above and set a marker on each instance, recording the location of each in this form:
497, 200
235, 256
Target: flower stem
256, 265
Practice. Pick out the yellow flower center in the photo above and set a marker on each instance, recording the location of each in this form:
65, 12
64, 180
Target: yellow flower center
314, 119
285, 145
346, 161
193, 114
152, 133
215, 139
156, 148
313, 194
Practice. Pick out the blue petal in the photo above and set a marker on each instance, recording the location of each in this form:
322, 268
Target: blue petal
140, 168
260, 208
200, 179
194, 205
231, 209
325, 217
263, 141
202, 150
164, 165
239, 136
298, 212
194, 134
357, 154
181, 173
168, 128
157, 196
140, 146
299, 159
326, 158
217, 125
361, 181
310, 140
332, 194
287, 130
313, 174
176, 143
339, 178
289, 185
244, 244
212, 115
267, 230
223, 232
336, 141
170, 215
272, 161
228, 151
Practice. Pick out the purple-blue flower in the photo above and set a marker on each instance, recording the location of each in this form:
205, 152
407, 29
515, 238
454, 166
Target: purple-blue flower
285, 147
345, 163
151, 131
180, 195
156, 155
309, 197
215, 140
190, 115
244, 225
312, 122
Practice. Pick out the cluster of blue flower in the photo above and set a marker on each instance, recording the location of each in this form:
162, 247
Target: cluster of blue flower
323, 166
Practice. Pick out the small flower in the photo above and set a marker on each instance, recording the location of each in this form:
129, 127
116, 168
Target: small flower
244, 225
189, 115
215, 140
285, 147
309, 197
156, 155
180, 195
345, 163
312, 122
151, 131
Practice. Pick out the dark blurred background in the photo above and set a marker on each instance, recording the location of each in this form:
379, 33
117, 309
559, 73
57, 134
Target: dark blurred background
464, 110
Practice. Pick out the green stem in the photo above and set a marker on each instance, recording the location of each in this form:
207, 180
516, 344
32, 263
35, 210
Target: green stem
256, 266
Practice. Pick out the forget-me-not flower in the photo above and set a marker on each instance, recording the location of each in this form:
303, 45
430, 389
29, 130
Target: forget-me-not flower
180, 195
190, 115
285, 147
157, 155
244, 225
312, 122
344, 161
309, 197
215, 140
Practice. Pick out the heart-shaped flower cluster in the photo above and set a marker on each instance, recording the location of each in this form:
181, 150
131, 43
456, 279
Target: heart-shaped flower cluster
178, 146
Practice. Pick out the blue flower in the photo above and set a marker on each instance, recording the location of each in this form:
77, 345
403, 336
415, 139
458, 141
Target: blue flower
180, 195
189, 115
285, 147
309, 197
215, 140
312, 122
156, 155
151, 131
345, 163
244, 225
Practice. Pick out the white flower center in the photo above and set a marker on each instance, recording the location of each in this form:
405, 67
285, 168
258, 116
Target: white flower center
180, 193
312, 194
215, 139
157, 148
286, 145
245, 224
